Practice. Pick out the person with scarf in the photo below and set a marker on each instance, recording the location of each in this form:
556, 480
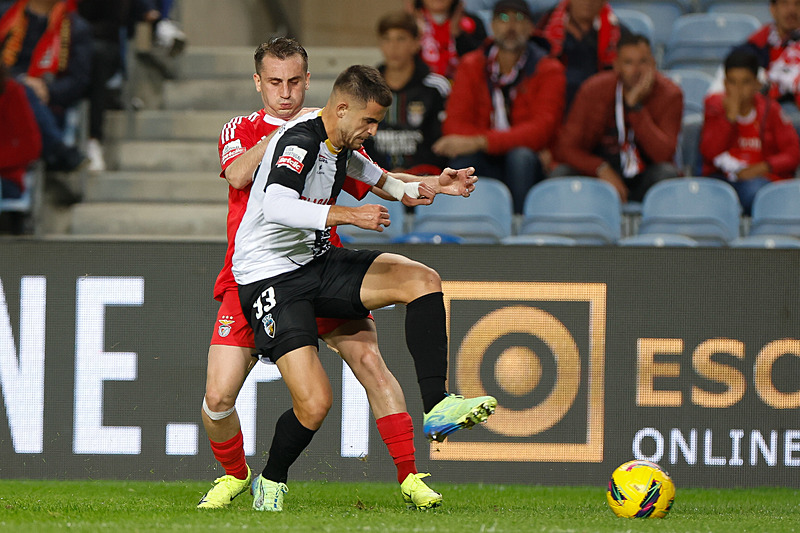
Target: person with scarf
623, 125
48, 48
746, 139
506, 104
447, 32
583, 34
20, 143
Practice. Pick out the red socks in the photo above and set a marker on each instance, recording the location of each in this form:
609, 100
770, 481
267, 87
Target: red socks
397, 431
230, 454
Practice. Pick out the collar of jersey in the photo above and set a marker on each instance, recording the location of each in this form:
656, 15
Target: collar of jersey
331, 148
275, 121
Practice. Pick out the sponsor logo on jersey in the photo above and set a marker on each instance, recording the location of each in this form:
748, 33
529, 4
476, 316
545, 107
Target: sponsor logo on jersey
232, 149
269, 325
225, 326
292, 158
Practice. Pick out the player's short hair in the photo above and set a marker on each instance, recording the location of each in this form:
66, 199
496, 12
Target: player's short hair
280, 48
632, 39
365, 84
398, 20
742, 58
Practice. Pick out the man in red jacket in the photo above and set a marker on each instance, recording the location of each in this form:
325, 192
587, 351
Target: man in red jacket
506, 104
20, 142
746, 139
623, 125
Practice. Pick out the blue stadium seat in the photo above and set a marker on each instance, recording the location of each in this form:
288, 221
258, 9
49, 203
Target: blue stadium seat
427, 238
540, 6
663, 15
705, 209
703, 40
766, 241
660, 240
690, 160
356, 235
540, 240
758, 9
581, 208
484, 217
694, 84
776, 209
637, 22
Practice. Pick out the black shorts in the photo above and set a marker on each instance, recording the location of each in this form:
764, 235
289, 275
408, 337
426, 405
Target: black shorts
282, 310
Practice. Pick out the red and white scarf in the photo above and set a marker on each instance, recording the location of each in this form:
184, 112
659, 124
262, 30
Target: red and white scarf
51, 53
605, 23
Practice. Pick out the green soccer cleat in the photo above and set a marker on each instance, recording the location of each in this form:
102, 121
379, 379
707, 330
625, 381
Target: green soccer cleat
456, 412
268, 495
417, 494
225, 489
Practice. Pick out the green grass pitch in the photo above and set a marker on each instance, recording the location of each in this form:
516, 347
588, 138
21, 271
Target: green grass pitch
377, 507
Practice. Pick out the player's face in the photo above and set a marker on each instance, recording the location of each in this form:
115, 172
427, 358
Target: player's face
282, 84
632, 62
398, 48
786, 14
358, 123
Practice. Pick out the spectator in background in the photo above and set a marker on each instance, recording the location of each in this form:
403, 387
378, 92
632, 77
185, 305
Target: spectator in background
583, 34
746, 139
775, 46
20, 142
107, 20
624, 124
506, 104
47, 47
412, 123
447, 32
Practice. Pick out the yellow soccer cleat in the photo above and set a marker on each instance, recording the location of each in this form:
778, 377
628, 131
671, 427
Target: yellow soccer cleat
417, 494
268, 495
225, 489
456, 412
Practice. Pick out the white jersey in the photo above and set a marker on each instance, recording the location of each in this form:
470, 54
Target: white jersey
303, 167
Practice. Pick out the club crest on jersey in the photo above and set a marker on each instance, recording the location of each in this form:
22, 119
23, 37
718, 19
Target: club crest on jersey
225, 326
292, 158
269, 325
416, 114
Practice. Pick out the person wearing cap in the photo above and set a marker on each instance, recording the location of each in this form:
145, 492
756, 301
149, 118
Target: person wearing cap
506, 104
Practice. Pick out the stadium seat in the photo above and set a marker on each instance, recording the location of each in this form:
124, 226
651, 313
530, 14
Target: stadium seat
702, 40
637, 22
540, 240
356, 235
694, 84
766, 241
689, 144
660, 240
663, 15
759, 10
581, 208
705, 209
776, 209
421, 237
540, 6
483, 218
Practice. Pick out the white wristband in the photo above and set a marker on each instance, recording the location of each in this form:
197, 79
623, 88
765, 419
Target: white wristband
398, 189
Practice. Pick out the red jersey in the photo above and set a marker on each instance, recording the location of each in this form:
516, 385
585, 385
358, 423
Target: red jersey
238, 136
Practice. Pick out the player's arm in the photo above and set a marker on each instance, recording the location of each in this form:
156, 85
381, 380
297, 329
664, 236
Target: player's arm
240, 173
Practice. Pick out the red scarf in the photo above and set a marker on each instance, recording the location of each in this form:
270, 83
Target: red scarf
607, 26
438, 48
51, 52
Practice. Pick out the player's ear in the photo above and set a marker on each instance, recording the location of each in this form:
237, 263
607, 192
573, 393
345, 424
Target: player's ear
341, 109
257, 80
308, 77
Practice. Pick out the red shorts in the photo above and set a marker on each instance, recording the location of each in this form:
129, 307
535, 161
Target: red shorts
232, 329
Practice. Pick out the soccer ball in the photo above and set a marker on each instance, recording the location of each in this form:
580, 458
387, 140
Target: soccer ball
640, 489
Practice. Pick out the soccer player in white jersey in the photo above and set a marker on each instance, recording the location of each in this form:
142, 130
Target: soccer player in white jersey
288, 272
282, 78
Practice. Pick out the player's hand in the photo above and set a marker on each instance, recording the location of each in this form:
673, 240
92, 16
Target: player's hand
426, 195
370, 216
454, 182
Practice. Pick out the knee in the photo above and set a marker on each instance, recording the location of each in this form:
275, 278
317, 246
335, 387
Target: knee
426, 280
367, 365
311, 412
219, 401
